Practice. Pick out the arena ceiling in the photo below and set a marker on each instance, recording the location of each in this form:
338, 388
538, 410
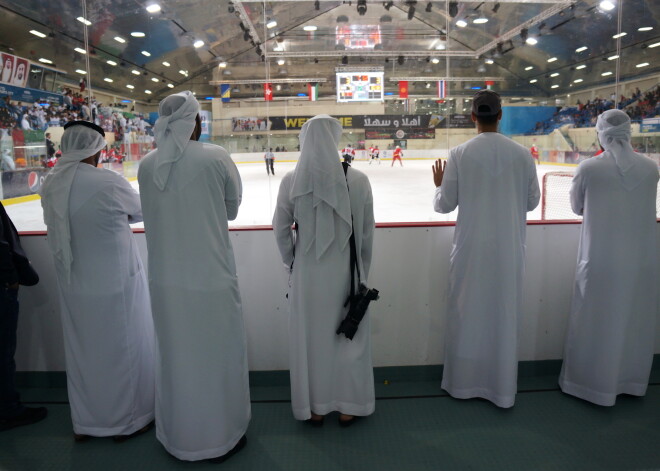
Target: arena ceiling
424, 44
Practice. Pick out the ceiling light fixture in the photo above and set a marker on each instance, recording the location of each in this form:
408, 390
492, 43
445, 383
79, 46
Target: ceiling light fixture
80, 71
529, 67
611, 58
651, 46
109, 80
154, 79
84, 21
199, 43
489, 61
222, 65
112, 63
183, 72
532, 41
153, 8
138, 34
606, 5
580, 49
643, 64
280, 62
361, 7
556, 74
578, 81
130, 86
435, 60
271, 24
166, 64
45, 61
310, 28
119, 39
148, 92
37, 33
643, 28
552, 59
135, 72
605, 74
480, 21
81, 51
461, 23
146, 53
555, 86
169, 85
620, 35
533, 81
580, 67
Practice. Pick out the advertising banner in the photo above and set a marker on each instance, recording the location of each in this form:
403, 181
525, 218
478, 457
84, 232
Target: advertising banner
206, 125
30, 95
382, 123
22, 182
650, 125
14, 70
409, 133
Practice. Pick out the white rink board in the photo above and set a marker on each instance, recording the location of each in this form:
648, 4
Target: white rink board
410, 268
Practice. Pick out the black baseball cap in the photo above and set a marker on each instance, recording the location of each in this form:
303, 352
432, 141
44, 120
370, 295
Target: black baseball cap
87, 124
486, 103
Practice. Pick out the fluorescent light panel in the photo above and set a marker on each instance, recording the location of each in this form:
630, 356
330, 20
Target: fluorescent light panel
84, 21
82, 51
580, 67
45, 61
138, 34
37, 33
580, 49
119, 39
153, 8
552, 59
146, 53
643, 64
80, 71
111, 62
130, 86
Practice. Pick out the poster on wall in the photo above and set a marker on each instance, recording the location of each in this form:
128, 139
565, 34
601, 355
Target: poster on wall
14, 70
206, 125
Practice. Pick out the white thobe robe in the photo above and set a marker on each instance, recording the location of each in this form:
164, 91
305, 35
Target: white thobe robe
328, 371
609, 346
493, 182
202, 394
106, 316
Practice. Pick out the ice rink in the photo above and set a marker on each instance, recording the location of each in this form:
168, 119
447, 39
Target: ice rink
401, 194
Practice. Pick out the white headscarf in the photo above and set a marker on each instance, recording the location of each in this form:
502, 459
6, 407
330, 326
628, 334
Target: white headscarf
319, 185
614, 131
78, 143
172, 132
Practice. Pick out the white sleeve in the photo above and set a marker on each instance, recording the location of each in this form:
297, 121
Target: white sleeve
533, 190
233, 189
577, 192
368, 229
282, 222
446, 195
128, 200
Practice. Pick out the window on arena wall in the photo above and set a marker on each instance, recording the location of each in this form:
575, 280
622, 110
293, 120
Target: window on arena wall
553, 63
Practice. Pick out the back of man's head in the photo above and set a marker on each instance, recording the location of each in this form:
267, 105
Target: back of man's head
486, 106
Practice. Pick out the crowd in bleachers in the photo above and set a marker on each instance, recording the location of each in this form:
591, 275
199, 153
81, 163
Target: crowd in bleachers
42, 115
646, 105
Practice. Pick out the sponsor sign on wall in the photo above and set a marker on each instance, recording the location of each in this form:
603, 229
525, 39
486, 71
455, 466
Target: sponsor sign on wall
388, 124
30, 95
650, 125
22, 182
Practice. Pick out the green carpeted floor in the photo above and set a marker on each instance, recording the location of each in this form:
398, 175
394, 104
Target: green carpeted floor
416, 427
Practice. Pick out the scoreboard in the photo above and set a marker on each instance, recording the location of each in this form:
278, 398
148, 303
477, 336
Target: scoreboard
359, 86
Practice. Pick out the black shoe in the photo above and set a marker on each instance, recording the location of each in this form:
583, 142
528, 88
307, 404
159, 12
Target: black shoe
123, 438
29, 416
239, 446
347, 423
315, 422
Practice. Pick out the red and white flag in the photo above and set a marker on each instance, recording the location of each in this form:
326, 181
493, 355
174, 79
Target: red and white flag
442, 89
268, 91
403, 89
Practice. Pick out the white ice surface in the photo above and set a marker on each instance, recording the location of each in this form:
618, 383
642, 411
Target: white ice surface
401, 194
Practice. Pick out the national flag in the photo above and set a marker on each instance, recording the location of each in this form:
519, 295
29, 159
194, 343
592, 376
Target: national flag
313, 91
442, 89
268, 91
489, 84
403, 89
225, 92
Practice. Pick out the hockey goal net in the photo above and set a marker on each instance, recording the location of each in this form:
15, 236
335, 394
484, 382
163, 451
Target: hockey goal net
555, 197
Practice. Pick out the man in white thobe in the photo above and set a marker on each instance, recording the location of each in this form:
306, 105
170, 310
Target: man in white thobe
106, 316
190, 190
328, 371
493, 182
609, 346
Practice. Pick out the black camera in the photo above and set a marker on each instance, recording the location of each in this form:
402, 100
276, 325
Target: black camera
359, 303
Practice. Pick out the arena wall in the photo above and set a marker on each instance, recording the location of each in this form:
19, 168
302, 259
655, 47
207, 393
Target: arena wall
410, 268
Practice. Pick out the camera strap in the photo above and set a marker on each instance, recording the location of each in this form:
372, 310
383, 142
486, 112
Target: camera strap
353, 263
